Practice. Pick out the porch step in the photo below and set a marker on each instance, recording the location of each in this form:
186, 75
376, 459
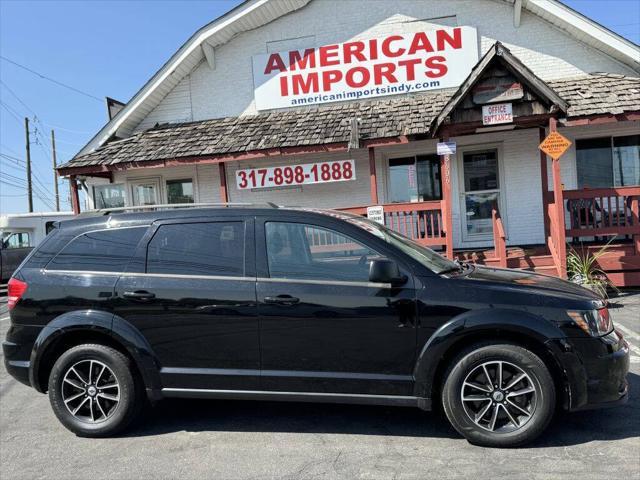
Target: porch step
530, 262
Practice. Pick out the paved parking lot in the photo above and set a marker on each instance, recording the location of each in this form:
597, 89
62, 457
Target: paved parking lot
229, 440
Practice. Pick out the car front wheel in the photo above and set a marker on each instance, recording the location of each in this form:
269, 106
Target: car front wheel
93, 390
499, 395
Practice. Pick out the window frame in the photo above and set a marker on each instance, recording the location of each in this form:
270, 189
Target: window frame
102, 272
309, 254
191, 178
389, 157
407, 265
102, 185
612, 147
249, 246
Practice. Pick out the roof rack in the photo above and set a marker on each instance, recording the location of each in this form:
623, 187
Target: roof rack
170, 206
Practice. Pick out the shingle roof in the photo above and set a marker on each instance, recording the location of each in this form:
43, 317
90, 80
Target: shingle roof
322, 125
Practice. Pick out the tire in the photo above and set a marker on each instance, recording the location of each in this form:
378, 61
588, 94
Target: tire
513, 425
106, 409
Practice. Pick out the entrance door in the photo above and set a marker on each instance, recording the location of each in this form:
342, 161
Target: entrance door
324, 326
480, 192
145, 192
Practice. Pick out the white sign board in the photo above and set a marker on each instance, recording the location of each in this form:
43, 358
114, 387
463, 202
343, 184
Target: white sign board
376, 214
360, 69
446, 148
308, 173
497, 114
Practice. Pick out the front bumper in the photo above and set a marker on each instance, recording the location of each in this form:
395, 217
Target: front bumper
595, 370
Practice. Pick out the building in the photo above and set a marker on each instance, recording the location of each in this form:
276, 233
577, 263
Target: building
432, 110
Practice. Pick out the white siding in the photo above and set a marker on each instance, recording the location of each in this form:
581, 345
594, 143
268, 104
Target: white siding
228, 89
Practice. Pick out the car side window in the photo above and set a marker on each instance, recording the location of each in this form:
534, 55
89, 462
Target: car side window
301, 251
211, 248
18, 240
99, 251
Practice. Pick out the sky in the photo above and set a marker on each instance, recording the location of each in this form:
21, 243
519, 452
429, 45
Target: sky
111, 48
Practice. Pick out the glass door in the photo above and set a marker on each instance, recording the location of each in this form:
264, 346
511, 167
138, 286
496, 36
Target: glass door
480, 192
145, 192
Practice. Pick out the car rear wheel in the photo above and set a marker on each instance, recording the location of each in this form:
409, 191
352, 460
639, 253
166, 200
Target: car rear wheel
499, 395
93, 390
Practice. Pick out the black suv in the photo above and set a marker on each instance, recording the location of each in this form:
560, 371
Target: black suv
115, 310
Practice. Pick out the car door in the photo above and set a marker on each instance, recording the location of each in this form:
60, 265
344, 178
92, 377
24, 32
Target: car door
323, 326
191, 293
15, 249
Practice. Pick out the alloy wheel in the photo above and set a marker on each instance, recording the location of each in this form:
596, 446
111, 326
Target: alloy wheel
499, 396
90, 391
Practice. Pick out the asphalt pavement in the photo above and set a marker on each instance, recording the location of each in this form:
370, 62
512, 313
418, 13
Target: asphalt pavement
255, 440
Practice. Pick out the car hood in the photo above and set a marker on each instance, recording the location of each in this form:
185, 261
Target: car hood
524, 280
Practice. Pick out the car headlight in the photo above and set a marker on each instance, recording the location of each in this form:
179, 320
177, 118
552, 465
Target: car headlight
593, 322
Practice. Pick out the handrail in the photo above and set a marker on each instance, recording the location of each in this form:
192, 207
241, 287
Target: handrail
397, 207
499, 237
602, 192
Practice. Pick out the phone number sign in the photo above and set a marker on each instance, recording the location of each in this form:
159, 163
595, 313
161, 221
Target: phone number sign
306, 174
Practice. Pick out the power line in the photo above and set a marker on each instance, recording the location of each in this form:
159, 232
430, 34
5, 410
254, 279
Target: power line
13, 113
45, 77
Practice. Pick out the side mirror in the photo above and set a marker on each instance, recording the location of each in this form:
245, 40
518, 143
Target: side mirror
386, 271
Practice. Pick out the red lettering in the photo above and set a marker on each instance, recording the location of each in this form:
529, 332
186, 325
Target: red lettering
438, 65
329, 55
274, 63
373, 49
386, 44
365, 77
284, 86
420, 42
307, 60
385, 70
300, 85
410, 67
329, 77
354, 49
442, 37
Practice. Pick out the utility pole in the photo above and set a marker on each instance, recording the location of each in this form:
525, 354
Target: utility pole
28, 147
55, 172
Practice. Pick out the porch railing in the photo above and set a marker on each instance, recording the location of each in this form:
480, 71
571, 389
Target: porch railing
602, 212
420, 221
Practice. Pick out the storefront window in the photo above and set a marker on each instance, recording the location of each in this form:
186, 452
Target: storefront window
626, 161
414, 179
108, 196
608, 162
180, 191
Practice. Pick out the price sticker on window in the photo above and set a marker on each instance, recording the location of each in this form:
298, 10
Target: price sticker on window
306, 174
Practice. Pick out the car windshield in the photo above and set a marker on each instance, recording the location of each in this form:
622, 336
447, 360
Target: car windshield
427, 257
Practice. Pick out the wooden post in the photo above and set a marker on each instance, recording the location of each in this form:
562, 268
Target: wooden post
224, 194
558, 198
75, 198
635, 220
447, 219
373, 179
544, 176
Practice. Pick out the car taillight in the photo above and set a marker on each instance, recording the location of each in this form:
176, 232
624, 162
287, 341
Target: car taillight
15, 290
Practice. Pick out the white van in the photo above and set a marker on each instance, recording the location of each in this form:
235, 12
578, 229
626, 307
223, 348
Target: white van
20, 233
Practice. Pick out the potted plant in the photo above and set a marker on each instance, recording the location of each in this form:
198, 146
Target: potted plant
583, 269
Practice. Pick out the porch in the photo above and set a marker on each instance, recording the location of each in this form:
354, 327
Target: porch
589, 219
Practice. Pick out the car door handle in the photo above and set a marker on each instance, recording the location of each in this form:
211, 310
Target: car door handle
281, 300
139, 295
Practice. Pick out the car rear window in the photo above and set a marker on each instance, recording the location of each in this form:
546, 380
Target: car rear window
211, 248
99, 251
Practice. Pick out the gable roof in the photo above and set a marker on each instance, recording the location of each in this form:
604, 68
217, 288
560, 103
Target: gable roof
252, 14
328, 126
498, 53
